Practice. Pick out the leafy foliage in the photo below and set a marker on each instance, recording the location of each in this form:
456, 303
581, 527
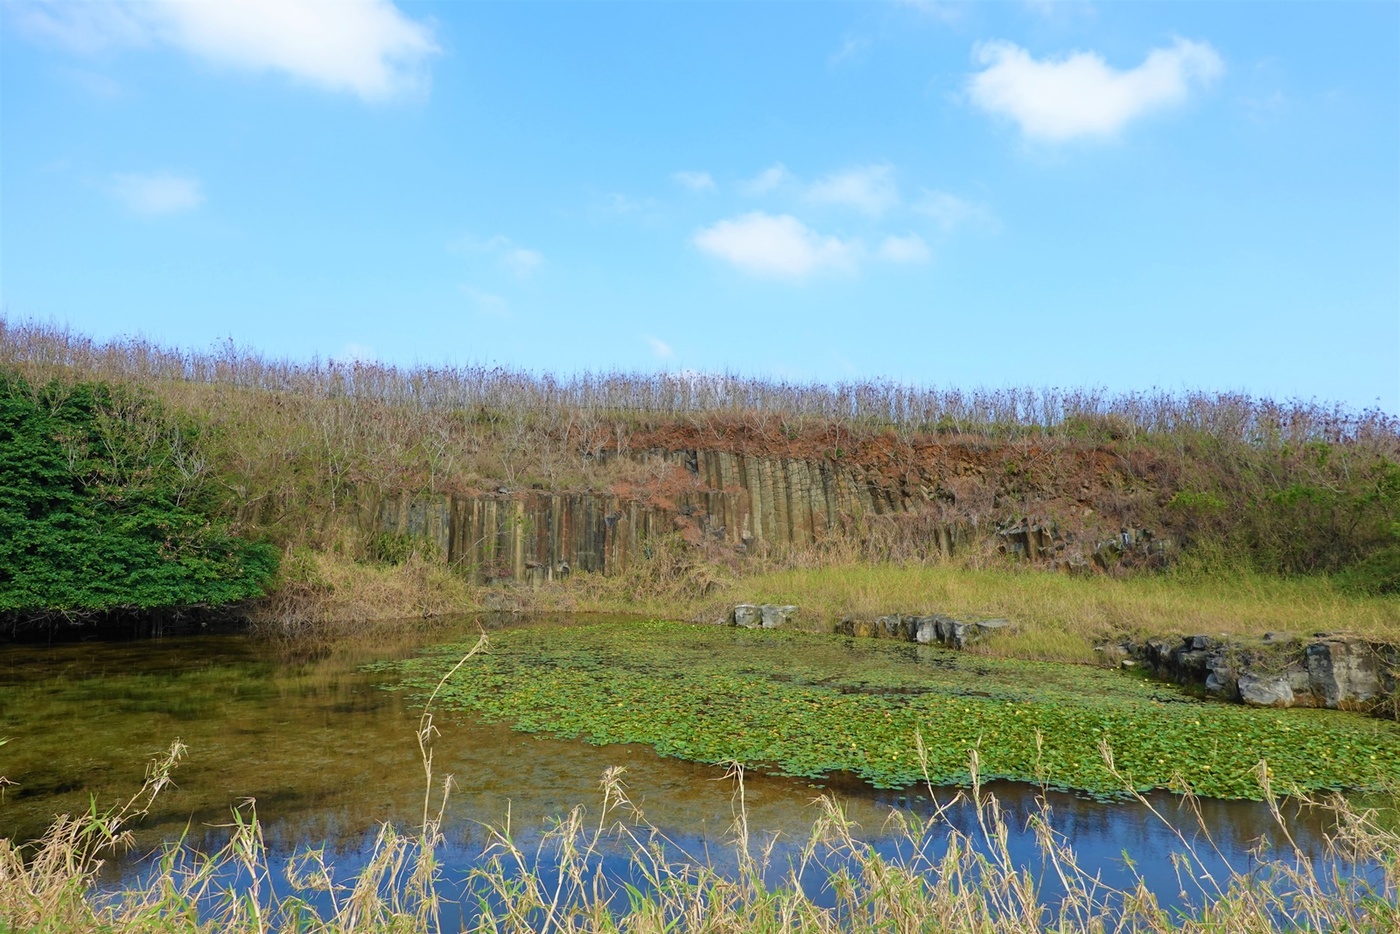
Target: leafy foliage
104, 505
809, 705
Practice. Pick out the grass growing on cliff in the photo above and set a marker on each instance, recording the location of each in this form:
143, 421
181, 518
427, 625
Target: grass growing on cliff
809, 705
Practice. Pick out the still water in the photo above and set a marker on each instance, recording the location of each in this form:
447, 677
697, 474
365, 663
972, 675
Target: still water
328, 755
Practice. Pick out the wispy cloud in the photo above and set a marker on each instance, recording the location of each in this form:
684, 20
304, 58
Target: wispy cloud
1059, 9
870, 189
950, 212
852, 51
941, 10
520, 260
157, 193
364, 47
1080, 95
909, 249
695, 181
659, 348
770, 179
777, 246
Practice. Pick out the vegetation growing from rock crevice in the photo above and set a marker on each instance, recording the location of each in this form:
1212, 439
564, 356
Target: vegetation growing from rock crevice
106, 505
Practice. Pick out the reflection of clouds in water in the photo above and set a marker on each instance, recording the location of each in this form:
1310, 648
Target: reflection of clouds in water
329, 755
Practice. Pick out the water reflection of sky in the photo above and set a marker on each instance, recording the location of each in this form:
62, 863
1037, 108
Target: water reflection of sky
328, 756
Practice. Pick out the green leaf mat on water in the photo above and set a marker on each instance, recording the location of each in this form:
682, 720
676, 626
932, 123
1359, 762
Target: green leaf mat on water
804, 704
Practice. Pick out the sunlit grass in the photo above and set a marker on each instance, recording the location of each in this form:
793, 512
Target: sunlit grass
1058, 616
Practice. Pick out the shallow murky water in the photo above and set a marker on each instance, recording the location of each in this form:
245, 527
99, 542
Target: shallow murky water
328, 754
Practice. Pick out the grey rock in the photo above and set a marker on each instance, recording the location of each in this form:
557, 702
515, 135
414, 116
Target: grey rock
776, 617
1265, 691
1161, 654
1192, 664
987, 627
945, 626
1344, 674
889, 627
926, 630
747, 615
965, 633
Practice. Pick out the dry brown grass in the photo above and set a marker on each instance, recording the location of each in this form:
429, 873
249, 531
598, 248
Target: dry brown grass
327, 592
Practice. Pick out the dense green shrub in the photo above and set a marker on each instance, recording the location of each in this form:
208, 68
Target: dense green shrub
105, 505
1315, 508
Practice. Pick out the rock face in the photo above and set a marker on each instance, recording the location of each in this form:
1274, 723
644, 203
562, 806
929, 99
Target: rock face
761, 616
740, 500
1345, 674
1337, 672
1266, 691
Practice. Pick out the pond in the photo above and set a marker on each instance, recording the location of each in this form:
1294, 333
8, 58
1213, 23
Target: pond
328, 754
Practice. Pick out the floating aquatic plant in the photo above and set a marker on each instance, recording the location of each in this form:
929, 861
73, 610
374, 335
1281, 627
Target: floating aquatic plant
810, 705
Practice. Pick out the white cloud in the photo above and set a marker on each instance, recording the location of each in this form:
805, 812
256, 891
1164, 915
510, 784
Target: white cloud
869, 189
775, 176
659, 348
1080, 95
907, 249
780, 246
157, 193
950, 212
367, 47
514, 257
695, 181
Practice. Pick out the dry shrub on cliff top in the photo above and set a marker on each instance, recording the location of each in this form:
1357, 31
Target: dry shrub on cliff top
496, 391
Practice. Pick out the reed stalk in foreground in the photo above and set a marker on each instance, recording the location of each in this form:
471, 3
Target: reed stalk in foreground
944, 880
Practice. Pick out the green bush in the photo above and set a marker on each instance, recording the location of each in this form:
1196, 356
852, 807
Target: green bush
105, 505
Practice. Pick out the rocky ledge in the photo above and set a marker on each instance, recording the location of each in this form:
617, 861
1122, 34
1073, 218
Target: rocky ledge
1325, 670
933, 629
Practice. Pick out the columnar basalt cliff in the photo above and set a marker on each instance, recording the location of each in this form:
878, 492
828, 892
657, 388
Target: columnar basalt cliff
931, 500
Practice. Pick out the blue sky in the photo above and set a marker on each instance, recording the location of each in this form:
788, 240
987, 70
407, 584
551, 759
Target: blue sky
1124, 195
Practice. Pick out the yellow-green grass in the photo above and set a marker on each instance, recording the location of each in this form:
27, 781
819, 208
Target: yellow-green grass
1058, 616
